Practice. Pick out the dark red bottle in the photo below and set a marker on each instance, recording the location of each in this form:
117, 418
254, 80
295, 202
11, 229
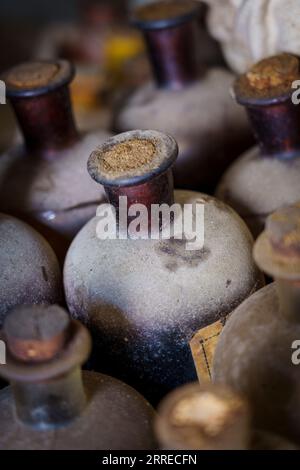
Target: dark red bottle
145, 298
44, 181
184, 100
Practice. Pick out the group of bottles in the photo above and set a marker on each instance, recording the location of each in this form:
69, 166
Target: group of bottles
148, 301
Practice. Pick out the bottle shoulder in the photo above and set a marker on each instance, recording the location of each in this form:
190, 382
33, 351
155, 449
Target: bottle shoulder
56, 184
119, 417
223, 268
261, 335
150, 107
258, 185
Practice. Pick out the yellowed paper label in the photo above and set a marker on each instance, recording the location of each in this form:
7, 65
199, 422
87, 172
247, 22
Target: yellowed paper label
203, 346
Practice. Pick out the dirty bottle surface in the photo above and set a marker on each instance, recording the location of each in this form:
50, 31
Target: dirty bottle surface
266, 177
51, 404
256, 349
184, 100
145, 293
47, 173
29, 271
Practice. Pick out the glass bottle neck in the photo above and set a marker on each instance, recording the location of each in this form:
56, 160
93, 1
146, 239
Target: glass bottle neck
172, 53
52, 403
46, 121
157, 191
289, 299
276, 128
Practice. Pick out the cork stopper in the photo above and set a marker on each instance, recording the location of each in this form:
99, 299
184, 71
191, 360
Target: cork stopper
277, 250
201, 417
269, 80
132, 158
36, 333
38, 77
165, 14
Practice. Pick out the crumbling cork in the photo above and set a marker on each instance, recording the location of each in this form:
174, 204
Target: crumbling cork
32, 74
269, 78
205, 412
125, 156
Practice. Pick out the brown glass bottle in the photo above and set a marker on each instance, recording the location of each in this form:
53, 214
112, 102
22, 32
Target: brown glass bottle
255, 353
44, 181
51, 404
266, 177
29, 268
192, 105
210, 417
145, 298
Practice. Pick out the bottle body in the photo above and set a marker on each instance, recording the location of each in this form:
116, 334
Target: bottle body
263, 370
256, 185
142, 300
29, 268
209, 127
118, 416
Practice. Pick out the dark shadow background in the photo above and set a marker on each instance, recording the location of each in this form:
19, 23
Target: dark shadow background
21, 21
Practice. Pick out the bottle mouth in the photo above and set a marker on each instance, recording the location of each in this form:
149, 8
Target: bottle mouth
36, 78
165, 14
268, 82
132, 158
197, 414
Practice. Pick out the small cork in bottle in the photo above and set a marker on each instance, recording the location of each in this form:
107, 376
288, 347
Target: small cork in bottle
36, 333
269, 78
126, 156
32, 75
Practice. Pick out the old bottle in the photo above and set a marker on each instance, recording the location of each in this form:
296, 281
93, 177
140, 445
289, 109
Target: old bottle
266, 177
144, 298
47, 175
51, 404
194, 107
29, 268
210, 417
255, 353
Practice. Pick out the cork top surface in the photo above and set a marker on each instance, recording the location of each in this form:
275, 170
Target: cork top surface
164, 14
37, 77
127, 156
132, 158
196, 414
269, 79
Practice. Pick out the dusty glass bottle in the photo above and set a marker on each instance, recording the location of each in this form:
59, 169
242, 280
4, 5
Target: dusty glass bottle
266, 177
29, 268
51, 404
44, 181
257, 351
144, 298
192, 105
210, 417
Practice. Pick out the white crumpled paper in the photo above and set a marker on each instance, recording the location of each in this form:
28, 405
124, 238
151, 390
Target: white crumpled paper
250, 30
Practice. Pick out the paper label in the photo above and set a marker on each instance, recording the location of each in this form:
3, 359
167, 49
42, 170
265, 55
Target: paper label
203, 346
